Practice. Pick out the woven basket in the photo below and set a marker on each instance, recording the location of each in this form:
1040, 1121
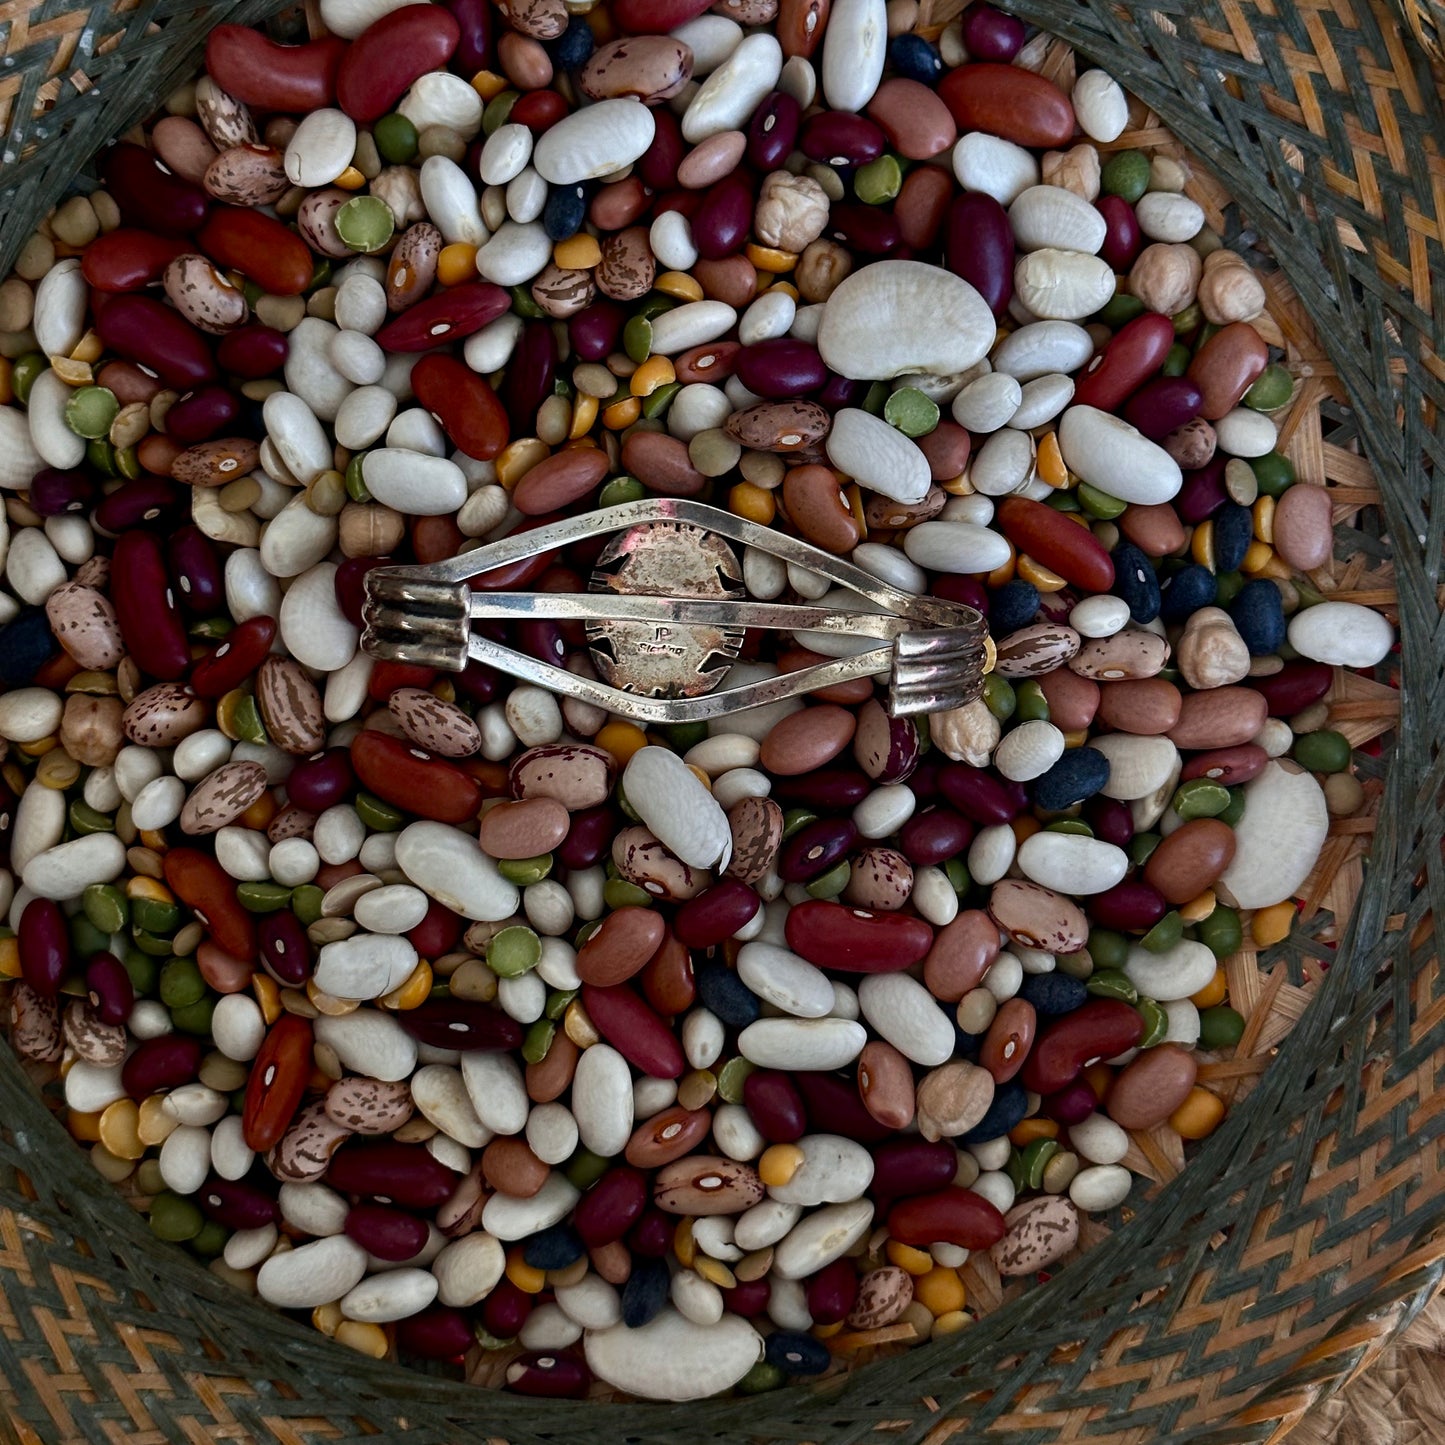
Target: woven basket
1426, 18
1311, 1227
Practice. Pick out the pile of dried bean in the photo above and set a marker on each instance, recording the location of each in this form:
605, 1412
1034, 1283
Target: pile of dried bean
457, 1016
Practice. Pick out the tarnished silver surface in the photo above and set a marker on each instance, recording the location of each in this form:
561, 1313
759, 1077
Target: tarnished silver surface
666, 616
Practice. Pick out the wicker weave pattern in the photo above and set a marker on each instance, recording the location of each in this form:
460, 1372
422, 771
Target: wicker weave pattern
1312, 1226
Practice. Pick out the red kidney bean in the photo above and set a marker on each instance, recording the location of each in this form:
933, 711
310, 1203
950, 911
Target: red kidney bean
903, 1168
980, 248
978, 795
252, 352
454, 1023
539, 111
869, 230
1123, 239
149, 195
405, 1174
716, 914
749, 1297
161, 1063
1226, 366
548, 1375
1202, 493
1008, 101
815, 848
237, 1204
44, 942
277, 1082
437, 933
1110, 819
1100, 1029
389, 1234
142, 329
773, 131
611, 1206
840, 138
475, 50
1163, 405
1296, 686
1129, 905
448, 316
238, 656
197, 571
989, 34
656, 17
505, 1310
1135, 352
833, 1291
414, 779
53, 493
439, 1333
659, 162
1049, 537
653, 1233
530, 374
956, 1215
631, 1027
835, 1107
382, 62
465, 405
831, 789
780, 367
108, 986
285, 949
1230, 766
210, 892
516, 574
775, 1106
725, 217
1072, 1104
145, 606
853, 940
935, 835
255, 69
258, 246
128, 259
201, 415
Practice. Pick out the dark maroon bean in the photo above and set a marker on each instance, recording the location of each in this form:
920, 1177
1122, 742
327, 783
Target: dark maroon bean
149, 195
1163, 405
815, 848
612, 1206
1072, 1104
1202, 493
44, 943
934, 836
840, 138
780, 367
109, 988
989, 34
200, 415
474, 50
1130, 905
53, 493
833, 1291
321, 781
350, 585
453, 1023
285, 949
775, 1106
724, 217
405, 1174
749, 1297
1123, 239
147, 499
659, 163
549, 1375
505, 1310
529, 376
196, 571
716, 914
477, 682
653, 1234
145, 605
589, 839
1230, 766
389, 1234
162, 1063
773, 131
966, 590
542, 638
253, 351
839, 391
868, 230
141, 329
979, 247
439, 1333
237, 1204
978, 795
904, 1167
596, 331
834, 1108
1110, 819
1296, 686
833, 789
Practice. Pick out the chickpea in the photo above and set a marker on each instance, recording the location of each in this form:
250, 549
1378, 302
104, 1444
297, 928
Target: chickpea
1166, 277
821, 269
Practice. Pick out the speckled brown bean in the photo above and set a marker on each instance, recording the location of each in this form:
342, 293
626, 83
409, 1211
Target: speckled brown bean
706, 1184
883, 1295
814, 501
1226, 366
661, 463
1041, 1231
222, 796
1145, 707
1037, 917
525, 829
961, 954
203, 296
413, 265
1304, 527
248, 175
651, 68
757, 829
577, 775
211, 464
1223, 717
369, 1106
780, 426
1151, 1087
885, 1083
290, 706
1190, 859
561, 292
718, 156
1130, 654
434, 724
628, 267
886, 514
805, 741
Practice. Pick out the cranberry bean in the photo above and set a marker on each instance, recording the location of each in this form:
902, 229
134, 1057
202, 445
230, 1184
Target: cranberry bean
144, 330
414, 779
260, 72
1008, 101
773, 131
611, 1206
474, 50
853, 940
405, 1174
391, 53
1163, 405
632, 1028
44, 943
285, 950
980, 248
831, 789
149, 195
978, 795
1102, 1028
505, 1310
1072, 1104
775, 1106
716, 914
128, 259
448, 316
1136, 351
166, 1062
956, 1215
1123, 240
463, 402
204, 886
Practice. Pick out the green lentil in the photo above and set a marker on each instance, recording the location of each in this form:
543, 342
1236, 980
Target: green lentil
1016, 1171
1141, 845
86, 938
585, 1168
1325, 751
1099, 505
1187, 320
1036, 1154
101, 455
913, 413
1227, 585
175, 1218
143, 971
876, 398
1176, 360
195, 1018
1076, 826
620, 490
306, 901
586, 932
619, 893
1121, 308
1274, 473
524, 305
538, 1039
24, 372
127, 464
1107, 948
211, 1240
155, 915
514, 951
1033, 706
795, 819
731, 1077
1222, 932
956, 871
